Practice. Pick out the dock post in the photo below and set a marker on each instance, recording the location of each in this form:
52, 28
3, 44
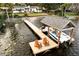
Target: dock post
48, 31
71, 35
58, 34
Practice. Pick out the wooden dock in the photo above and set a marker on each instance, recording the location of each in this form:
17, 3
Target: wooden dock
52, 44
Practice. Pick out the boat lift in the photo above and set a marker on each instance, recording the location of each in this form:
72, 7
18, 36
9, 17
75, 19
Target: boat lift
58, 25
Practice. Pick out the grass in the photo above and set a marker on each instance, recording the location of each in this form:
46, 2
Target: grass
26, 14
30, 14
36, 14
70, 14
19, 14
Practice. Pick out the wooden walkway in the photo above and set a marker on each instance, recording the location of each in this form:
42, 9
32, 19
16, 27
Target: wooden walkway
52, 44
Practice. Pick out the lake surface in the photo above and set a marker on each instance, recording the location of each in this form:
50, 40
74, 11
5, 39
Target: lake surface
25, 35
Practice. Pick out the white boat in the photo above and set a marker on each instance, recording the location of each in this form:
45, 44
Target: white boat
63, 37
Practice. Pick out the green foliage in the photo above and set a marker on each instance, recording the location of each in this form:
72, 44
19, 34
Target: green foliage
64, 6
58, 12
2, 19
70, 14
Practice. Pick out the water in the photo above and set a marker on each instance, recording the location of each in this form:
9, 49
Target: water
25, 35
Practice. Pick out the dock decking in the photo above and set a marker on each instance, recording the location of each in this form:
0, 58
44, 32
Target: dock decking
52, 44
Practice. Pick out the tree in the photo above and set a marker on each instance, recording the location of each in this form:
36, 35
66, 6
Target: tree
75, 8
10, 7
63, 7
50, 6
2, 17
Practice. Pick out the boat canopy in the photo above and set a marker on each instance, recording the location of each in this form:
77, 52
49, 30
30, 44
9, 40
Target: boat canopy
59, 23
